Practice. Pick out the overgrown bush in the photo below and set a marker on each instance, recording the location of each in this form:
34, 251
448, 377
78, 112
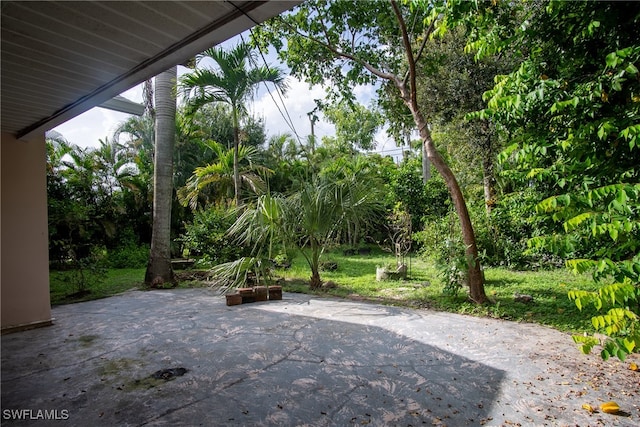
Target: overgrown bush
436, 198
440, 242
409, 190
128, 256
206, 237
83, 273
503, 235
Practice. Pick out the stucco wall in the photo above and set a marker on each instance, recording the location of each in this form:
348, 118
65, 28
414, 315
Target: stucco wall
24, 271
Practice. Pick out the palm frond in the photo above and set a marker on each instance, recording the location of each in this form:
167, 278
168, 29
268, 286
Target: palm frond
233, 274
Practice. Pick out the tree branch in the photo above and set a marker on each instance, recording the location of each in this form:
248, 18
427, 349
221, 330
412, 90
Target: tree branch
422, 46
324, 27
373, 70
427, 34
410, 59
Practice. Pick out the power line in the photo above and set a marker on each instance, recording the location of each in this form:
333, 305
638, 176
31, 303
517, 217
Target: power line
287, 119
289, 122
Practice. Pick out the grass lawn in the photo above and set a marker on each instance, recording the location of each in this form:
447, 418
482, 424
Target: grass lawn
355, 278
63, 288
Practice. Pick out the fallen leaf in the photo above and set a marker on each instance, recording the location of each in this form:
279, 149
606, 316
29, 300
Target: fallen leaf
633, 366
610, 407
588, 407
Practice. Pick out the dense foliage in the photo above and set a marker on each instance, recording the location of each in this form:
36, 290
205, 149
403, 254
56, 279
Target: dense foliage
572, 113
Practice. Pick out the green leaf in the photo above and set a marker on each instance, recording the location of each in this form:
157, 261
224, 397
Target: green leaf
574, 222
611, 60
628, 345
597, 303
578, 303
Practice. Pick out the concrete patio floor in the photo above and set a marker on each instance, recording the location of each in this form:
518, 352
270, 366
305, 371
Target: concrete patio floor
300, 361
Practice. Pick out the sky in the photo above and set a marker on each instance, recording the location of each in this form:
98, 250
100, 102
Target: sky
98, 123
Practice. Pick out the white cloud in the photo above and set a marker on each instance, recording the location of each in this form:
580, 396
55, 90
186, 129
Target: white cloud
299, 101
86, 129
97, 123
364, 94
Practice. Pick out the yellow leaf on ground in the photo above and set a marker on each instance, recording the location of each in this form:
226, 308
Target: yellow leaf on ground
610, 407
633, 366
588, 407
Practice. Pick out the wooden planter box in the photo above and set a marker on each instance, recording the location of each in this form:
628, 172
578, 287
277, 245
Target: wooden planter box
247, 295
260, 293
234, 299
275, 292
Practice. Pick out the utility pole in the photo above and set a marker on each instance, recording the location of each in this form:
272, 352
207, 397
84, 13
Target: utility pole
313, 119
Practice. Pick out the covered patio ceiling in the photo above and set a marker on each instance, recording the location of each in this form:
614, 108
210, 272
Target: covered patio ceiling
61, 58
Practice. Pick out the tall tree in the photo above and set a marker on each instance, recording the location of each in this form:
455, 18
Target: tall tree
323, 38
356, 125
451, 83
573, 110
159, 270
232, 83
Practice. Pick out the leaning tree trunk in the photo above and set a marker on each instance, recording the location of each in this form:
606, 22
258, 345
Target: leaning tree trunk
475, 280
159, 269
409, 96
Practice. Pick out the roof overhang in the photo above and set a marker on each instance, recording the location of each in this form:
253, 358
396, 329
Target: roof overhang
123, 105
61, 58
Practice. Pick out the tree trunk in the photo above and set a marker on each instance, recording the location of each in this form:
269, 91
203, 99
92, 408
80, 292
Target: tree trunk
426, 167
159, 269
236, 147
409, 96
488, 181
475, 280
315, 281
488, 177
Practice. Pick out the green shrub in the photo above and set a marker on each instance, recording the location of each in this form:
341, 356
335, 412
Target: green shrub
431, 240
441, 242
128, 256
437, 201
206, 237
502, 236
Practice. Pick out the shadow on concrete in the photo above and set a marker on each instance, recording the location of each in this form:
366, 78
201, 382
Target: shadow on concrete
255, 364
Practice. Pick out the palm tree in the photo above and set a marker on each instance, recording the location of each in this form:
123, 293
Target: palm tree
231, 83
114, 166
310, 220
159, 270
221, 173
